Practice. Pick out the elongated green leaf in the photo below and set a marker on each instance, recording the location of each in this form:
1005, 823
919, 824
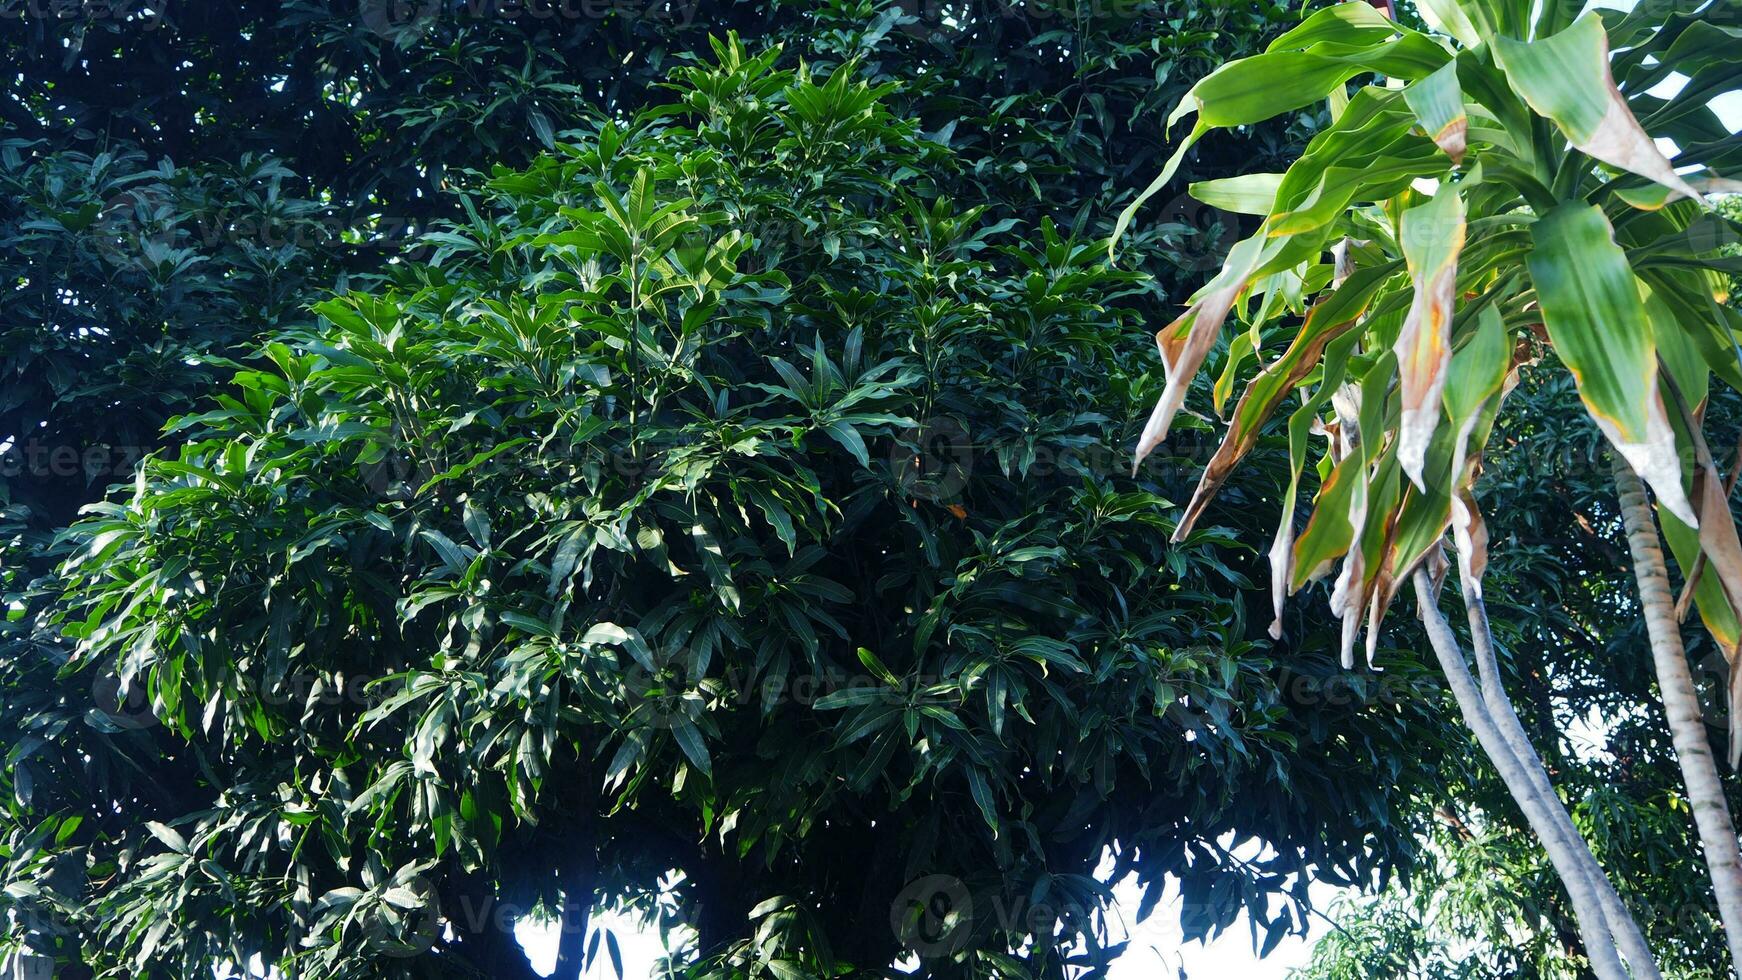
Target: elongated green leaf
1263, 86
1330, 530
1384, 176
1282, 555
1186, 107
689, 738
1348, 23
1567, 78
1596, 319
1245, 194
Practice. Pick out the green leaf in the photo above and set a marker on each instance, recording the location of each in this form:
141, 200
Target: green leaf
611, 634
169, 837
1438, 101
843, 432
1566, 78
689, 738
1595, 317
1245, 194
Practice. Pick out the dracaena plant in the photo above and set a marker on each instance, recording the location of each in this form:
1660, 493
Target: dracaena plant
1513, 187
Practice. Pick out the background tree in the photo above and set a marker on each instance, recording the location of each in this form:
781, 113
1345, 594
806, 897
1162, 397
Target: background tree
179, 185
542, 569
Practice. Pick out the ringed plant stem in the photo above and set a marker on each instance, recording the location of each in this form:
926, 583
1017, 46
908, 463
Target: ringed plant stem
1588, 908
1621, 922
1681, 705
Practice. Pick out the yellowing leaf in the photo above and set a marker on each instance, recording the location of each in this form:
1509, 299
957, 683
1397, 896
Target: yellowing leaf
1433, 235
1438, 101
1470, 533
1347, 593
1184, 342
1327, 321
1329, 531
1477, 376
1716, 614
1718, 534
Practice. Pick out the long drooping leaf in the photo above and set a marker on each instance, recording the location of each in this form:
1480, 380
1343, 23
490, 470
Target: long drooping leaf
1286, 78
1478, 377
1300, 68
1718, 538
1327, 321
1717, 615
1184, 342
1329, 531
1432, 237
1348, 596
1300, 424
1567, 78
1371, 508
1595, 317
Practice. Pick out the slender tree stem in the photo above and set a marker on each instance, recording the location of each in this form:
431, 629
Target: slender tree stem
1587, 907
1682, 707
576, 912
1621, 923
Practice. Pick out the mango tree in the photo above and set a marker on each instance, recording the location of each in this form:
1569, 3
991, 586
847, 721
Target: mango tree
1517, 188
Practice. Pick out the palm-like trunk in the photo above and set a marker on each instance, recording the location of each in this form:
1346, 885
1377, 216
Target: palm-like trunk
1602, 924
1621, 923
1686, 726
